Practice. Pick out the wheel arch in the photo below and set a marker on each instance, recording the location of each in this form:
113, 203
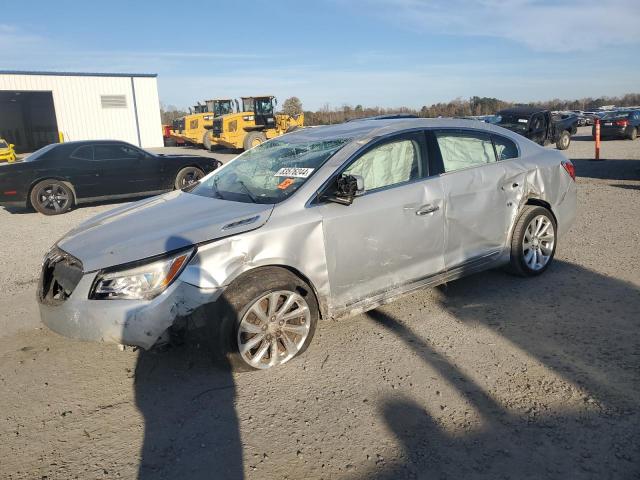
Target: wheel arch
51, 177
322, 305
541, 203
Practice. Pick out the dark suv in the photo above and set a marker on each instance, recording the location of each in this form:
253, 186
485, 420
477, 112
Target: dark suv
623, 123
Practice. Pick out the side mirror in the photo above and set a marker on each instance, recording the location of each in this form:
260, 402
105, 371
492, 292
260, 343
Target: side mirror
347, 188
11, 145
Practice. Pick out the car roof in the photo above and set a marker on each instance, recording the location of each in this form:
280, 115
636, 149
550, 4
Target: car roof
367, 129
521, 110
79, 143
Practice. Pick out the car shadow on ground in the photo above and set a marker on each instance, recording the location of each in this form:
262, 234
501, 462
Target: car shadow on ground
607, 169
187, 399
581, 325
190, 424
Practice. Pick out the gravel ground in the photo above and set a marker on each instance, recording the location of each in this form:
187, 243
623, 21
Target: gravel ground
487, 377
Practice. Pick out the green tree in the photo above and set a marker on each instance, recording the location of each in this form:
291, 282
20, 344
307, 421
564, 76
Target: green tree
292, 106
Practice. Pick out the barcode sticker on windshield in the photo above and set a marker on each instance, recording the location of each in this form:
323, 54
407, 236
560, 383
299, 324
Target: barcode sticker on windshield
294, 172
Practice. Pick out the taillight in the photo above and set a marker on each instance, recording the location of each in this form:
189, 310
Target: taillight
621, 123
571, 170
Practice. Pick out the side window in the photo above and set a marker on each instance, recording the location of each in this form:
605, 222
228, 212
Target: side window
388, 164
461, 150
83, 153
115, 151
505, 148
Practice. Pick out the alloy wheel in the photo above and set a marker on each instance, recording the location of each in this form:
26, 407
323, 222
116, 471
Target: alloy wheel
538, 242
53, 197
274, 329
190, 177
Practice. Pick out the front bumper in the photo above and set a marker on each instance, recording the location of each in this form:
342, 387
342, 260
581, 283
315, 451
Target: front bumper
128, 322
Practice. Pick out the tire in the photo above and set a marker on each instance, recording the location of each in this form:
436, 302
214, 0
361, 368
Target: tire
231, 315
253, 139
51, 197
170, 142
206, 140
187, 176
564, 141
634, 134
520, 263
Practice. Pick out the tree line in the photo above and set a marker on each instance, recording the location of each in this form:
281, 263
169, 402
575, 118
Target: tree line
455, 108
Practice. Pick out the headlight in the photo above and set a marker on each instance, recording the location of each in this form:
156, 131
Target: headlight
142, 282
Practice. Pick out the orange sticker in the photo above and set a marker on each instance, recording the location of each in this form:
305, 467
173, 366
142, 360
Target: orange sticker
286, 183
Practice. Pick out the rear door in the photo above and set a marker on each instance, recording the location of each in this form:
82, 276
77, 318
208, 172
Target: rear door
538, 128
393, 234
477, 191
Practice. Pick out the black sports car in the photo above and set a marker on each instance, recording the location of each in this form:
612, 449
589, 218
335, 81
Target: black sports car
61, 175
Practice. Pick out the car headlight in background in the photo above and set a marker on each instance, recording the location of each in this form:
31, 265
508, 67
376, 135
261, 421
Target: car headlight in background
142, 282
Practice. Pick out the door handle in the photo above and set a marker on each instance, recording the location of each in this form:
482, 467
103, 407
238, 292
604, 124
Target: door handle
427, 209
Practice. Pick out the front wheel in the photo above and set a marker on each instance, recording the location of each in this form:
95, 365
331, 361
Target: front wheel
253, 139
533, 243
51, 197
634, 134
264, 319
188, 176
564, 141
206, 140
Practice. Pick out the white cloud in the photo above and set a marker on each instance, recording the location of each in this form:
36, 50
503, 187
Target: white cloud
557, 26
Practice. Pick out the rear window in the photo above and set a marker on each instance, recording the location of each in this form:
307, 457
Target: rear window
462, 149
39, 154
505, 148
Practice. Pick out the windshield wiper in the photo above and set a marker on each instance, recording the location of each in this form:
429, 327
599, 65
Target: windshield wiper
249, 193
215, 188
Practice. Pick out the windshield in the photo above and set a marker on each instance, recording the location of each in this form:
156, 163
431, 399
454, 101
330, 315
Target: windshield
3, 144
247, 104
222, 108
39, 153
270, 172
514, 122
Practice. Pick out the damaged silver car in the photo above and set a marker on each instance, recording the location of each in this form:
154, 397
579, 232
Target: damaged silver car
320, 223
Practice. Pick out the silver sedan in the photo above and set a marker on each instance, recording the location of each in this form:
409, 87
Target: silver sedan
324, 222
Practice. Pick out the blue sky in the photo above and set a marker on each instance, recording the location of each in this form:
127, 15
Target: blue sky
372, 52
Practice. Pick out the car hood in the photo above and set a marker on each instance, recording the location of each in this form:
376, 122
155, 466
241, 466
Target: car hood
157, 225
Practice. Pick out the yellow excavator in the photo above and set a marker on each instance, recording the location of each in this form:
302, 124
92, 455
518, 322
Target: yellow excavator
194, 128
255, 124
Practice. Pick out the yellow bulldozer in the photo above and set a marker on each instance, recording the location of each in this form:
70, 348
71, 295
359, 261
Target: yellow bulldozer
255, 124
194, 128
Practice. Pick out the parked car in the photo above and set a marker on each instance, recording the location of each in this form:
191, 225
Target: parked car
619, 124
325, 222
540, 125
7, 153
61, 175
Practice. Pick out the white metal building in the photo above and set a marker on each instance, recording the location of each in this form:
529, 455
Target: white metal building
38, 108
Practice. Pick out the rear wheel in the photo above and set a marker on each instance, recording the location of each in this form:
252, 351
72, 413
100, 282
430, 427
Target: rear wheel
253, 139
533, 243
264, 319
188, 176
51, 197
564, 141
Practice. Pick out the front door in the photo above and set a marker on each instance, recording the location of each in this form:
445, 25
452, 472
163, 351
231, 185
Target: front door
122, 167
393, 234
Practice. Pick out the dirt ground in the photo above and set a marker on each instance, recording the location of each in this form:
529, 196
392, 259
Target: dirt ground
490, 377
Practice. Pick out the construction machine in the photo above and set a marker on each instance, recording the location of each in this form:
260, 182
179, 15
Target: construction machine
256, 123
194, 128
